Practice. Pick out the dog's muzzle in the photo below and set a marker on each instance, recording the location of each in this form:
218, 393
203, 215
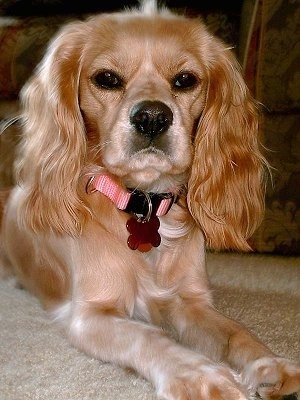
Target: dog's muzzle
151, 118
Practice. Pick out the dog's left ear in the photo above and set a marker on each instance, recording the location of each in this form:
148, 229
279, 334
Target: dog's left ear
226, 188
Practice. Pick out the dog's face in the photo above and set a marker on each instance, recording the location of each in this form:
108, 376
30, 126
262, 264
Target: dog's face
142, 91
156, 101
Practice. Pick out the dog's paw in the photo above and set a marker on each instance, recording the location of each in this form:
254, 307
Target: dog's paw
272, 377
201, 382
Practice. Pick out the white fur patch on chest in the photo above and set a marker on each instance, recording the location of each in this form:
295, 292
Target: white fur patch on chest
171, 230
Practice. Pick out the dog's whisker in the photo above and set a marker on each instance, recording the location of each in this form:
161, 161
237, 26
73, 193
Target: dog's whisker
6, 123
97, 149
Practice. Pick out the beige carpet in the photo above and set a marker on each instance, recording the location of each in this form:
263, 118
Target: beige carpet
37, 363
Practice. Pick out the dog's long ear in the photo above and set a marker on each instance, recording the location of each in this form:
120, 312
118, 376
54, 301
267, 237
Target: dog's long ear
226, 188
53, 144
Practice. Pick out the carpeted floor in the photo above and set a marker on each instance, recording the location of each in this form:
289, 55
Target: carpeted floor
37, 363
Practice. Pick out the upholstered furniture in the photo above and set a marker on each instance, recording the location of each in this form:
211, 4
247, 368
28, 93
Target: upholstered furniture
271, 63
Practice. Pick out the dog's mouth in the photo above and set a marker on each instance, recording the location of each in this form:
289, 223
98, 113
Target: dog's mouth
148, 166
150, 161
144, 146
149, 169
154, 151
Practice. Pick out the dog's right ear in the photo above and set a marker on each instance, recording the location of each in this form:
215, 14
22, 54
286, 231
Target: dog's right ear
53, 145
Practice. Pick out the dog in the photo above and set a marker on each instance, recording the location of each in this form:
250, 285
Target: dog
139, 151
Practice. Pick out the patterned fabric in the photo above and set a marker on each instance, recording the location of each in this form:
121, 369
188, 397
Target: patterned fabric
279, 74
280, 230
22, 42
272, 70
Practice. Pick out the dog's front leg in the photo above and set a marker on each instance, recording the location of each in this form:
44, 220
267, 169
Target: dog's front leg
200, 326
106, 292
203, 328
176, 372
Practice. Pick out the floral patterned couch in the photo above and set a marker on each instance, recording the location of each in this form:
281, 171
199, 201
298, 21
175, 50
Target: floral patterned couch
271, 63
265, 34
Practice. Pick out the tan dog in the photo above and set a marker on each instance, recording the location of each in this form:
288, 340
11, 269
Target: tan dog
140, 149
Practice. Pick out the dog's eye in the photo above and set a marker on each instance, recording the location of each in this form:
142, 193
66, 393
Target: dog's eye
184, 80
107, 80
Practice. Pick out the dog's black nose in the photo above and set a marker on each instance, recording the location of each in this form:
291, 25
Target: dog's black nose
151, 118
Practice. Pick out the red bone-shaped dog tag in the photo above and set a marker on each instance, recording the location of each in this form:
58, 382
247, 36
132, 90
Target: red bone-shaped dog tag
143, 233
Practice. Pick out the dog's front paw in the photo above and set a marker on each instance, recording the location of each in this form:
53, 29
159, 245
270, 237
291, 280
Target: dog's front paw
272, 377
200, 382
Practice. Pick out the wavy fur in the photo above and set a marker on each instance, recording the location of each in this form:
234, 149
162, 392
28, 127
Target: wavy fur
159, 104
227, 181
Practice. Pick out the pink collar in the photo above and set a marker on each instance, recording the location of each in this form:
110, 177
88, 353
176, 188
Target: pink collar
142, 204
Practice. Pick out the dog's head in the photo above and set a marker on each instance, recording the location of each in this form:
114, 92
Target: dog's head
142, 97
157, 101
